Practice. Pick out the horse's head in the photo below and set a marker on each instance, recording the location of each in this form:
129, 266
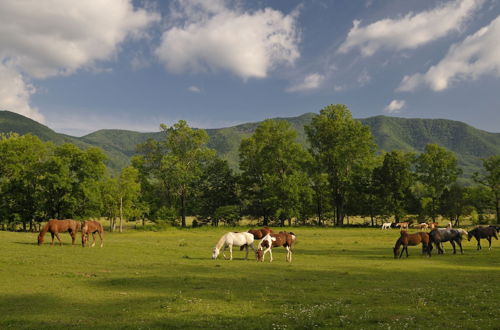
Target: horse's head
215, 253
40, 239
396, 252
259, 254
469, 235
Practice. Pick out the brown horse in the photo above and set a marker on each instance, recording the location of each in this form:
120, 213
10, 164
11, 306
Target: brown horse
482, 232
402, 225
259, 233
92, 227
411, 239
54, 227
287, 240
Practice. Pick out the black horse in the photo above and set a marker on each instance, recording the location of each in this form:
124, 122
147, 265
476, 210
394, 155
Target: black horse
482, 232
439, 235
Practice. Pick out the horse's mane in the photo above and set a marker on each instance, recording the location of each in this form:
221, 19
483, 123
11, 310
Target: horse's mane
221, 241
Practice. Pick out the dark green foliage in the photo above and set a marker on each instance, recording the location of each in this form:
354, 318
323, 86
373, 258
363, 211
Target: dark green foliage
491, 179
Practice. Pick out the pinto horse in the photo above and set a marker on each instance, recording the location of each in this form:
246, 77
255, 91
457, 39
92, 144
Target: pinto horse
229, 239
92, 227
259, 233
406, 239
54, 227
287, 240
440, 235
482, 232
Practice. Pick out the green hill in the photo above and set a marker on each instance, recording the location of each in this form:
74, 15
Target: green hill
468, 143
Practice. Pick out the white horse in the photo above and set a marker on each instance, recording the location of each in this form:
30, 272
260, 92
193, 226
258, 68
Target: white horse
386, 225
229, 239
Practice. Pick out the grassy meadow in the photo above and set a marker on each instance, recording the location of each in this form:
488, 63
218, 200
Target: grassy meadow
338, 278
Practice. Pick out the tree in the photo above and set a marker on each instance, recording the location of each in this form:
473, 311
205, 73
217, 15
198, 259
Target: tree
436, 169
491, 179
341, 145
129, 189
454, 203
171, 166
272, 176
392, 181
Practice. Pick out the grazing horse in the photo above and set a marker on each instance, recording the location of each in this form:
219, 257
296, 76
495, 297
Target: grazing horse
92, 227
433, 225
54, 227
274, 240
259, 233
422, 225
402, 225
229, 239
482, 232
406, 239
440, 235
386, 225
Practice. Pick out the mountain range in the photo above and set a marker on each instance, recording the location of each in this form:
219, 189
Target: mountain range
468, 143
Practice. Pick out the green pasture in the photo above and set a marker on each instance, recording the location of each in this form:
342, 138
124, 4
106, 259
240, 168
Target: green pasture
338, 278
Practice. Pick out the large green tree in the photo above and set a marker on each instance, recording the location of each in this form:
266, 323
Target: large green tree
436, 169
491, 179
272, 178
341, 145
392, 181
173, 165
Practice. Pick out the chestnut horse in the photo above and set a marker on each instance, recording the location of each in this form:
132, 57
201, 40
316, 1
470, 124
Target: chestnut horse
92, 227
482, 232
273, 240
402, 225
54, 227
406, 239
259, 233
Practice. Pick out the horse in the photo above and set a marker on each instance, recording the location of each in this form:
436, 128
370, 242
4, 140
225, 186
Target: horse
433, 225
259, 233
406, 239
402, 225
440, 235
92, 227
229, 239
386, 225
287, 240
497, 227
482, 232
449, 225
422, 225
54, 227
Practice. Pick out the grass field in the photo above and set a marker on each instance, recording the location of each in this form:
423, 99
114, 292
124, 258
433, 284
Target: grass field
338, 278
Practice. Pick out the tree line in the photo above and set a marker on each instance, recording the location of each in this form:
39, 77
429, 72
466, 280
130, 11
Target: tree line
339, 174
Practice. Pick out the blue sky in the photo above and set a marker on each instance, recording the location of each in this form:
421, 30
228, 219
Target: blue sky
82, 66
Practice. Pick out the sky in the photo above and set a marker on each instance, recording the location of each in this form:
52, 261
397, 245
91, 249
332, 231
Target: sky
81, 66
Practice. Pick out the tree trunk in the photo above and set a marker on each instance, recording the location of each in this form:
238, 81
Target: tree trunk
497, 206
121, 214
266, 221
318, 205
143, 221
183, 212
31, 225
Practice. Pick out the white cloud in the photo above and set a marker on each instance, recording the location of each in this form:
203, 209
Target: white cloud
41, 39
395, 106
476, 55
210, 36
310, 82
15, 93
194, 89
411, 30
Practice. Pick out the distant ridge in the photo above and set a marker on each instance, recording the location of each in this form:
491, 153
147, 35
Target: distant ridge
468, 143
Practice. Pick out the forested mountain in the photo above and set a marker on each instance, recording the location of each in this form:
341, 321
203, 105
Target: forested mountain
468, 143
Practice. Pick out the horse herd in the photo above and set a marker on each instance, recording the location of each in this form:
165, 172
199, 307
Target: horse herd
438, 236
244, 240
54, 227
269, 239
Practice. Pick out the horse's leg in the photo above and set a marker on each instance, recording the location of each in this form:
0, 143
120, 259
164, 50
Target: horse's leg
403, 250
246, 248
270, 254
100, 236
52, 243
93, 240
489, 241
478, 243
224, 252
459, 242
73, 237
454, 249
231, 252
58, 238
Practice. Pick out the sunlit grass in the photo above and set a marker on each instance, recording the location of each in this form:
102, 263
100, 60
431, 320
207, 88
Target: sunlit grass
338, 278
